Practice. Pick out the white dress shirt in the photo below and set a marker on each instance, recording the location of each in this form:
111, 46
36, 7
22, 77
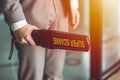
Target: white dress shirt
17, 25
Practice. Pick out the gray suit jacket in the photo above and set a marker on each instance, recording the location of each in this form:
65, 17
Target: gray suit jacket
15, 10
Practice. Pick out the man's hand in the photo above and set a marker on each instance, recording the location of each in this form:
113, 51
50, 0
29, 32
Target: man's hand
23, 35
74, 18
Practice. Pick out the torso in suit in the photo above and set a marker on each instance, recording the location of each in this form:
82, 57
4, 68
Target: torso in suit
38, 63
33, 9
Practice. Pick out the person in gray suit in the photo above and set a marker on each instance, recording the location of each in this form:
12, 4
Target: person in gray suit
24, 16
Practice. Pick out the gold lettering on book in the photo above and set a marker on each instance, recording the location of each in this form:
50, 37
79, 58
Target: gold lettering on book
60, 41
77, 43
68, 42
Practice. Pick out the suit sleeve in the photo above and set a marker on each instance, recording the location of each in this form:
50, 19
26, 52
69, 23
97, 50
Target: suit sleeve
12, 11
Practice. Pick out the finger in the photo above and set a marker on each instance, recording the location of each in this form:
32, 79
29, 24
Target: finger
73, 19
23, 41
70, 26
35, 27
30, 40
76, 23
71, 23
77, 20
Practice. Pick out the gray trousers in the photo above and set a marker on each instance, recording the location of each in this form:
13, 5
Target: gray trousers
38, 63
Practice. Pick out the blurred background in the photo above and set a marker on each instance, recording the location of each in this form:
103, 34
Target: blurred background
77, 64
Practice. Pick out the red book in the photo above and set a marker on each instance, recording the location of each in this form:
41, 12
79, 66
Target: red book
60, 40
